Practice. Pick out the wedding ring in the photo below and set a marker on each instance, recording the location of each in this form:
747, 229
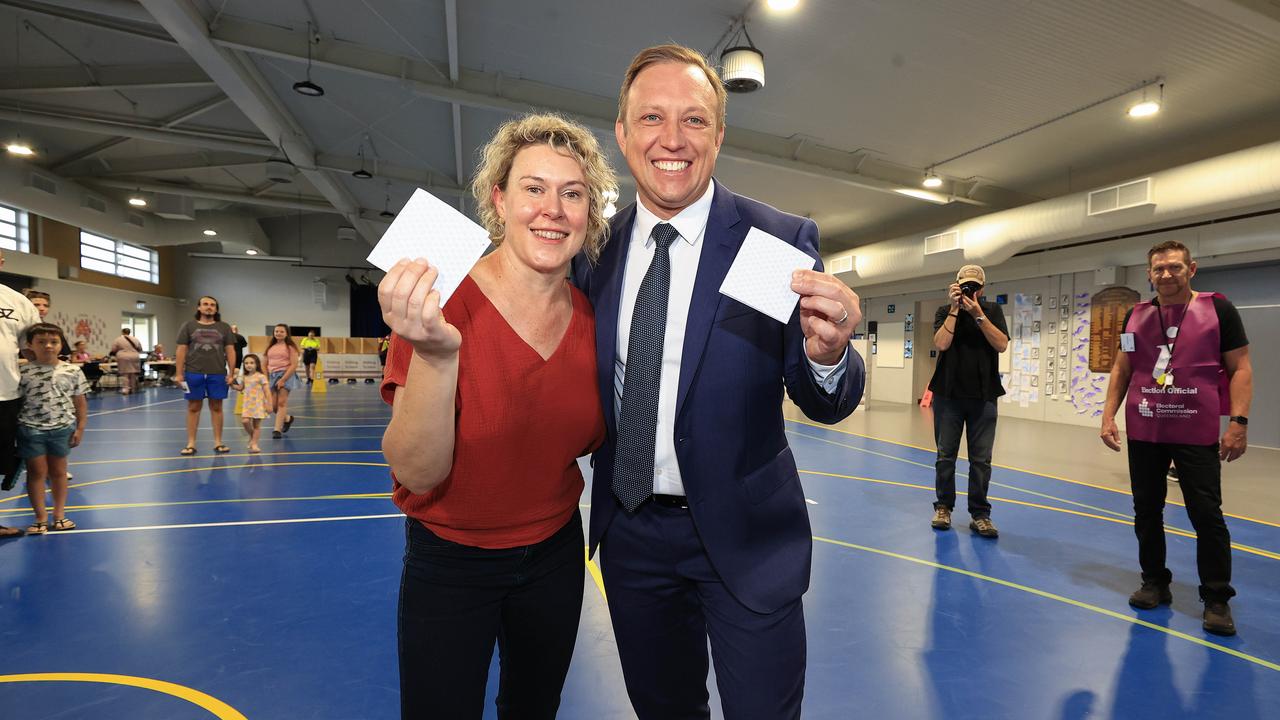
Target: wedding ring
841, 320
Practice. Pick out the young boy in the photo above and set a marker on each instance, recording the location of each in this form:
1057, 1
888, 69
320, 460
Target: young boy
52, 422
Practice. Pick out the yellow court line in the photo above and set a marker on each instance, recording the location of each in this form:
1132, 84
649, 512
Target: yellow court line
130, 506
1058, 598
959, 474
1168, 529
1007, 467
228, 455
204, 469
594, 570
219, 709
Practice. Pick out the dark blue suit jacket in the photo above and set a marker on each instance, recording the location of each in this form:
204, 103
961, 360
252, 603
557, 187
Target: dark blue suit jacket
743, 488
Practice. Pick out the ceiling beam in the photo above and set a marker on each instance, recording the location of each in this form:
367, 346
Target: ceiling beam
123, 16
102, 125
494, 91
171, 121
181, 162
70, 79
241, 81
207, 192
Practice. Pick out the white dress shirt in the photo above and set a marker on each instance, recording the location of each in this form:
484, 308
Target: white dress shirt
16, 315
685, 254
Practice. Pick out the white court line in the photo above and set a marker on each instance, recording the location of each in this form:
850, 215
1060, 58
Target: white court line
223, 524
206, 427
135, 407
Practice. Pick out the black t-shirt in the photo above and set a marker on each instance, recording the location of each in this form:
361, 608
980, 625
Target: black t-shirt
969, 369
1231, 334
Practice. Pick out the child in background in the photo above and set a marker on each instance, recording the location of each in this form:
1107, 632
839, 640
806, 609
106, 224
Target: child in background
81, 354
51, 423
257, 398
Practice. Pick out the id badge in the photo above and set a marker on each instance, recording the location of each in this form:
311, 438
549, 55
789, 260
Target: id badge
1162, 364
1127, 342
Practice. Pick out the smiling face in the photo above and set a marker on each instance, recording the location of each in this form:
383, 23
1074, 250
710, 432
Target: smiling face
544, 208
280, 332
670, 136
1171, 274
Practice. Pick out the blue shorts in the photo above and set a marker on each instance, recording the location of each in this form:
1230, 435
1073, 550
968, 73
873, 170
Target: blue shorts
291, 384
201, 386
34, 442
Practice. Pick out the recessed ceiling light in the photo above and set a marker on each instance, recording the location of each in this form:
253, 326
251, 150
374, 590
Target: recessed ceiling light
211, 233
137, 201
250, 251
19, 147
1146, 108
783, 5
932, 181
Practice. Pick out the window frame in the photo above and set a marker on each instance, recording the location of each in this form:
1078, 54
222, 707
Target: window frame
125, 259
19, 238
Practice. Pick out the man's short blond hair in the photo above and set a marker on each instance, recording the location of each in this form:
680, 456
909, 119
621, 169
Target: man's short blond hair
673, 54
563, 136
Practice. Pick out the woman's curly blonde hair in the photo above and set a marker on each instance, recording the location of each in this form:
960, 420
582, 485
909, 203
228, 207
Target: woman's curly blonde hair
564, 136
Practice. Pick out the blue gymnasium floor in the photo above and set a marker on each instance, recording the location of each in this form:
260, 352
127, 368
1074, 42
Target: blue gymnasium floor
265, 587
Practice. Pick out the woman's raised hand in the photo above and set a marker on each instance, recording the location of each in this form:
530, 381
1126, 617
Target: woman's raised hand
411, 308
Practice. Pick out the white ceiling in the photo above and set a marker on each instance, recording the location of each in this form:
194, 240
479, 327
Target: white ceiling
896, 85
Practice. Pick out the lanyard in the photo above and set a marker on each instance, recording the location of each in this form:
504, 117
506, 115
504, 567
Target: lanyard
1164, 331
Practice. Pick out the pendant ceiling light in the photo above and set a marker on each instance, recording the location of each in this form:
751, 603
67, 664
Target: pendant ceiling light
386, 205
362, 174
18, 146
306, 87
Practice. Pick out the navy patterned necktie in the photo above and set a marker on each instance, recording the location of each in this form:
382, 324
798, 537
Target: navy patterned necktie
638, 419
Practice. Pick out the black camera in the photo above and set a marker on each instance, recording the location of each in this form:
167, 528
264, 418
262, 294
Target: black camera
969, 288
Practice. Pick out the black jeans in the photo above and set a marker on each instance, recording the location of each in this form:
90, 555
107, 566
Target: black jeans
9, 410
977, 419
1200, 476
457, 600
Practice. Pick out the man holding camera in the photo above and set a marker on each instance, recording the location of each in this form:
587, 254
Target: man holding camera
969, 334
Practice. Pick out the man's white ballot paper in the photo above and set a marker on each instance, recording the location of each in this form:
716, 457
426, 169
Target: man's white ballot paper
761, 274
431, 228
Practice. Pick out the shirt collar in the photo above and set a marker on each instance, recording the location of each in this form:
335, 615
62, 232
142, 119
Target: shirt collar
689, 222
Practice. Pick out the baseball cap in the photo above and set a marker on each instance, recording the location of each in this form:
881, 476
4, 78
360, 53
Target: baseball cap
971, 272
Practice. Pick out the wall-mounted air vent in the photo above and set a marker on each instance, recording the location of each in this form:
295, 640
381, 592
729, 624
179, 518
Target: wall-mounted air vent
135, 219
942, 242
96, 204
1121, 197
42, 183
841, 265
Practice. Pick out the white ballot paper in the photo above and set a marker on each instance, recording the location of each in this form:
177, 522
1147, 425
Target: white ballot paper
761, 274
430, 228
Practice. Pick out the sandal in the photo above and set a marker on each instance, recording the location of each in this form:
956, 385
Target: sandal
37, 528
188, 450
221, 449
255, 449
8, 532
63, 524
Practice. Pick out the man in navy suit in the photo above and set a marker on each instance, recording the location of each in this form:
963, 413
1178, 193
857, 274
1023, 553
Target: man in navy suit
696, 501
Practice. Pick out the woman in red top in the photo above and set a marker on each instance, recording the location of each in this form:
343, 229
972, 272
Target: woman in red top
493, 400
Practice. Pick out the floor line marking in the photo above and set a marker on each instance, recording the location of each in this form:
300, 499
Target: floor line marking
1128, 522
594, 570
179, 503
135, 407
206, 427
235, 523
294, 439
218, 708
227, 455
960, 474
204, 469
1059, 598
1009, 467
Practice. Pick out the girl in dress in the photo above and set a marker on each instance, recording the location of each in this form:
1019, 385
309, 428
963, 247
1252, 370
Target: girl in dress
257, 398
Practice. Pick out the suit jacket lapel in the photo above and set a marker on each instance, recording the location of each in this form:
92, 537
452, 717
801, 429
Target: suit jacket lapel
722, 240
606, 284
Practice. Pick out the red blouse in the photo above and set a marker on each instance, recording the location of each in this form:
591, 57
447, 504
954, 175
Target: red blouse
522, 422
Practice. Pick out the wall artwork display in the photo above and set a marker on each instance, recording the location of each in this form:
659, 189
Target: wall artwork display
1035, 326
1064, 311
1066, 301
1035, 353
1062, 386
1053, 327
1053, 302
1035, 381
